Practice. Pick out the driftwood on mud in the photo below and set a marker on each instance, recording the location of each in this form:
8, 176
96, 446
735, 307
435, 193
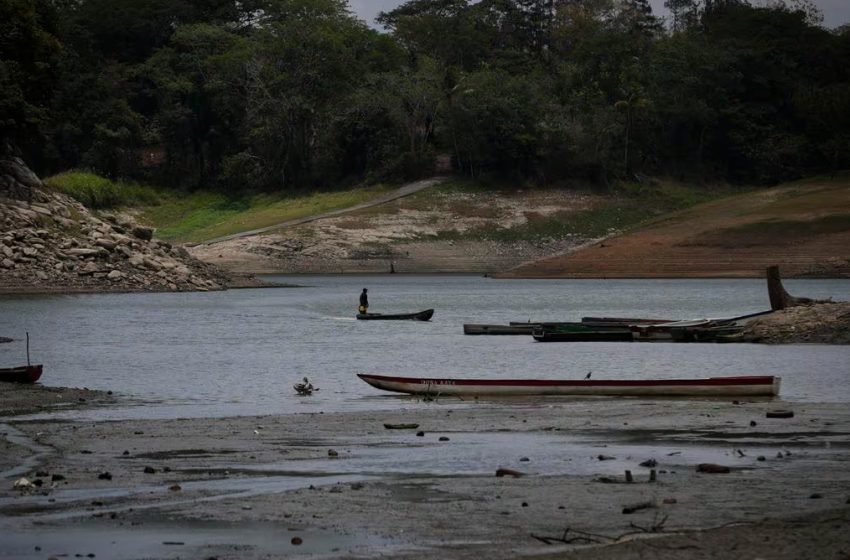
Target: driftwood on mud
781, 299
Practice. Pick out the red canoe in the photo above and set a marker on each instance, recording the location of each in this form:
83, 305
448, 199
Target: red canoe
762, 385
21, 374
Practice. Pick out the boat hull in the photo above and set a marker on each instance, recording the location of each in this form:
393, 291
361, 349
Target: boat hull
22, 374
583, 336
752, 386
498, 329
418, 316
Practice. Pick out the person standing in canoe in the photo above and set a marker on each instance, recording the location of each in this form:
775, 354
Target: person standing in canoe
364, 302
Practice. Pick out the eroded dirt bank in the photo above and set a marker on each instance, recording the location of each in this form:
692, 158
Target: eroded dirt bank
802, 227
344, 485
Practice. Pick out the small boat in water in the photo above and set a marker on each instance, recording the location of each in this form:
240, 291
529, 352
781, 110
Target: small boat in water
623, 321
511, 329
752, 386
419, 316
623, 335
21, 374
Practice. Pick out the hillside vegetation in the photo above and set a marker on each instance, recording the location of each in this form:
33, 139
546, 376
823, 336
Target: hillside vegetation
202, 215
294, 96
457, 226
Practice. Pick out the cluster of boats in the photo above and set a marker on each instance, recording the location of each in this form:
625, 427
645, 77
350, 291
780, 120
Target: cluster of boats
620, 329
586, 330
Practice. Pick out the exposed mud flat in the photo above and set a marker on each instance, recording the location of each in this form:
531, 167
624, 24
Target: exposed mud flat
344, 486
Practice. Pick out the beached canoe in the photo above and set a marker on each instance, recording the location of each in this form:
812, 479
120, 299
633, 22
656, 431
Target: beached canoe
21, 374
752, 386
419, 316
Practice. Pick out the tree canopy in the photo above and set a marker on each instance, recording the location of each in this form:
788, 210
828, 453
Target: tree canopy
299, 94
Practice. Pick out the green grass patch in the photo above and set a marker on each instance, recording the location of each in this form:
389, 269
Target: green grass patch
206, 215
99, 193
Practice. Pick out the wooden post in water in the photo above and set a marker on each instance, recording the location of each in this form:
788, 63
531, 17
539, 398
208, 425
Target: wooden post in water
28, 348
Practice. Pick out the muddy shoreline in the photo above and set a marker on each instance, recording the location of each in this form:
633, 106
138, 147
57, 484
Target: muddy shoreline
345, 485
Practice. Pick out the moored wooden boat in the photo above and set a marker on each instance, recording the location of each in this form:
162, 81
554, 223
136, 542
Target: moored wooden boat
512, 329
704, 334
418, 316
664, 331
762, 385
21, 374
624, 320
623, 335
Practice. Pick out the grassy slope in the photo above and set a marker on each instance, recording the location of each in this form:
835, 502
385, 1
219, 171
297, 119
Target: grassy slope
203, 215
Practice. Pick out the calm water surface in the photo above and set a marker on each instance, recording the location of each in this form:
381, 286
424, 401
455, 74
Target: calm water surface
239, 352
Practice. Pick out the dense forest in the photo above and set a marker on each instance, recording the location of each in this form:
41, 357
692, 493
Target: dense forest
299, 94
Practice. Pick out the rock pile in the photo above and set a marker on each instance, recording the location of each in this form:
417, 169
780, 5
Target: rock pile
822, 323
50, 242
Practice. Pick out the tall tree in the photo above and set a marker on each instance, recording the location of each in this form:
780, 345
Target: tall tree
29, 52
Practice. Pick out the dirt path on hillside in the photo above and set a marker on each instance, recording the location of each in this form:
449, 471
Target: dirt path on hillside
429, 233
402, 192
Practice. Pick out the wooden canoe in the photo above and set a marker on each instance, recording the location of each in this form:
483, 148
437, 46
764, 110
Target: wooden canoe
583, 336
21, 374
418, 316
752, 386
525, 329
624, 320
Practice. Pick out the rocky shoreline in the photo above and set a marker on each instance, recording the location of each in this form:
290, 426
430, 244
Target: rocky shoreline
53, 244
820, 323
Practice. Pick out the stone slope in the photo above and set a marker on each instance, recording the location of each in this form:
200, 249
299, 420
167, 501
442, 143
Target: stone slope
52, 243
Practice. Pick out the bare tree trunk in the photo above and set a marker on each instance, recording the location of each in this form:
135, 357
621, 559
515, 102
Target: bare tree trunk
779, 298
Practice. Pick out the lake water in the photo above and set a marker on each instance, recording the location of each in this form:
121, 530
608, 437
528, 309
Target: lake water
239, 352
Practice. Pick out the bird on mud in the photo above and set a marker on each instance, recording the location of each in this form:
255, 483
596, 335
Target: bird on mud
588, 375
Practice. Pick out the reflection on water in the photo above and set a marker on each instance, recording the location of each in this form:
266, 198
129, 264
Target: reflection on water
239, 352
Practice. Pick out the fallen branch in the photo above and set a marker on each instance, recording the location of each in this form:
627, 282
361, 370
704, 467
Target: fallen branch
638, 507
656, 527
